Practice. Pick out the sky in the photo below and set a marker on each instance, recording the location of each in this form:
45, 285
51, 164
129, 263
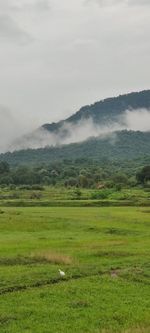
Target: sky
58, 55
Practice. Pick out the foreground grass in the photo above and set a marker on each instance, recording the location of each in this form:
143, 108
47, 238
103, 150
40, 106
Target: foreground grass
105, 254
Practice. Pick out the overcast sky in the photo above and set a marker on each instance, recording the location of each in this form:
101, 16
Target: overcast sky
57, 55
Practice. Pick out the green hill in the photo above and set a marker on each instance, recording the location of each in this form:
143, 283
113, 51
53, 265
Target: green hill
124, 145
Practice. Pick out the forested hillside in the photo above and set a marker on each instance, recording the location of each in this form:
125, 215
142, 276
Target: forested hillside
125, 145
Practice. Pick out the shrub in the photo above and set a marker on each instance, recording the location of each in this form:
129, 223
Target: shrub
102, 194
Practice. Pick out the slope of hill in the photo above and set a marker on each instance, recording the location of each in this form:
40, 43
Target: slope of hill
106, 110
124, 145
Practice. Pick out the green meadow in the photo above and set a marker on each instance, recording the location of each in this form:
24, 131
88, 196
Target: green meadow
104, 252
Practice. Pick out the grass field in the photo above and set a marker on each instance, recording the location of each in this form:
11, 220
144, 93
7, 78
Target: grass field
105, 255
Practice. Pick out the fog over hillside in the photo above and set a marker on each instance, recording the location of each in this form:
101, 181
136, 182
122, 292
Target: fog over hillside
135, 120
101, 119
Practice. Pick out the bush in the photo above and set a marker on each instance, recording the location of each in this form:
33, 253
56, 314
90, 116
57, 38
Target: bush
77, 194
118, 187
102, 194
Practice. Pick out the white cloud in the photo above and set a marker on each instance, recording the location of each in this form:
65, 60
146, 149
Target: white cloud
138, 120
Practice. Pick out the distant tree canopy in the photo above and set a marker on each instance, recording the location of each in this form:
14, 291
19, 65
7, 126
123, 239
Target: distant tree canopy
144, 175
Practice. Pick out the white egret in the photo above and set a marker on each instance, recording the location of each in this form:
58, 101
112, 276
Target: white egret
62, 274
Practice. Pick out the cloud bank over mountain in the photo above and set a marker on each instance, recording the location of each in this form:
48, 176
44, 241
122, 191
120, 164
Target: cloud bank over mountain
135, 120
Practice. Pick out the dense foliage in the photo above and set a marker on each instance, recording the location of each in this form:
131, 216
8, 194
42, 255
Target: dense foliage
75, 173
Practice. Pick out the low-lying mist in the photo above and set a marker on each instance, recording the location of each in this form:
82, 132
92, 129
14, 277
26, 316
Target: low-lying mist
135, 120
8, 128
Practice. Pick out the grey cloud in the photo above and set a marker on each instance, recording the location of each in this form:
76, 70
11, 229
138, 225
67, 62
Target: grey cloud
11, 31
79, 55
138, 2
7, 128
42, 5
105, 3
37, 7
8, 6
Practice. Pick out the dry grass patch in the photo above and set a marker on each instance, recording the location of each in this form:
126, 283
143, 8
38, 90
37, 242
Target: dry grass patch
138, 330
53, 258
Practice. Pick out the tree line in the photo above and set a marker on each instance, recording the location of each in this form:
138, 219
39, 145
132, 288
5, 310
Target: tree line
79, 173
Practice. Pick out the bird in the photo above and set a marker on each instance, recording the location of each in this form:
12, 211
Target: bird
62, 274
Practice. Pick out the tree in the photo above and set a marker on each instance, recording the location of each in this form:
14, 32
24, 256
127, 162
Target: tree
77, 194
120, 178
71, 182
144, 175
4, 167
24, 175
83, 181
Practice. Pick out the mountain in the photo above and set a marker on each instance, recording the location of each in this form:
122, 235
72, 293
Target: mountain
106, 110
126, 112
115, 129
